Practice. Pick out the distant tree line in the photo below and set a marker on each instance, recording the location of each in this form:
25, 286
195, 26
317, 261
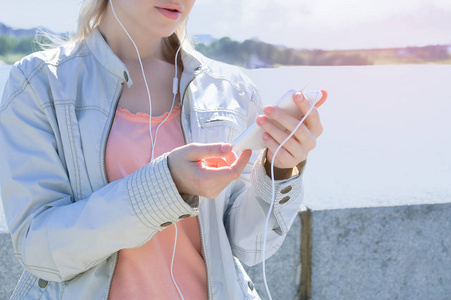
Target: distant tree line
10, 45
255, 54
430, 53
252, 53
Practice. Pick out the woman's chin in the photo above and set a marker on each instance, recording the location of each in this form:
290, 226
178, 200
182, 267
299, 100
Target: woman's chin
168, 33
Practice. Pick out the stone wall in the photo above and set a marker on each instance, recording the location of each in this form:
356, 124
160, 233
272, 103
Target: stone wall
397, 252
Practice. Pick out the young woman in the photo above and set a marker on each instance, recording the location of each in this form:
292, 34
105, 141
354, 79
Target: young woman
95, 206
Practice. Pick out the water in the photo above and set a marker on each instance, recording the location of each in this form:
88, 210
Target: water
387, 133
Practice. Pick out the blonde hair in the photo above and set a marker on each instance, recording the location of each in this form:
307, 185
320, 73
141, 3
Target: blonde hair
91, 14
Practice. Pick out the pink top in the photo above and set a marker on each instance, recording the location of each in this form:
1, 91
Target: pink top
144, 272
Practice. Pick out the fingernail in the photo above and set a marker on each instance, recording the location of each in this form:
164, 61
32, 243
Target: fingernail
300, 97
225, 148
265, 136
269, 109
260, 120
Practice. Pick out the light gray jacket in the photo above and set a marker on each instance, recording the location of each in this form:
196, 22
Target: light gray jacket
67, 222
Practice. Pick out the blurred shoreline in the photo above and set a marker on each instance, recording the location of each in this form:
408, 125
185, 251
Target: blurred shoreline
250, 54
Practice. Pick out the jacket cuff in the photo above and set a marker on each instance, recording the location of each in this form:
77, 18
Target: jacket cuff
285, 190
155, 198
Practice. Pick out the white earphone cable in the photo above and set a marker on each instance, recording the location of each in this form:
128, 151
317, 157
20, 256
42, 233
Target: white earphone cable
172, 264
174, 91
142, 68
274, 195
152, 141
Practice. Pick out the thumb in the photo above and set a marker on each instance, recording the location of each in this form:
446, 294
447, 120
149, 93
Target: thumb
241, 162
196, 152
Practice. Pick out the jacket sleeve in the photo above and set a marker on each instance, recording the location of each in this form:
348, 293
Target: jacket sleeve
55, 237
250, 202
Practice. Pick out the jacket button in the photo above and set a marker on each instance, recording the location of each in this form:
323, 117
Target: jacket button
125, 76
166, 224
284, 200
43, 283
184, 217
286, 190
251, 285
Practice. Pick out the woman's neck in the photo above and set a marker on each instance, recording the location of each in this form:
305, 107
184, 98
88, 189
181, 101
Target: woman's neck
119, 42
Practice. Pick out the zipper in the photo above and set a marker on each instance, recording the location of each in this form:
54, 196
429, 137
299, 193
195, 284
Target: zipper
205, 257
110, 120
198, 219
112, 275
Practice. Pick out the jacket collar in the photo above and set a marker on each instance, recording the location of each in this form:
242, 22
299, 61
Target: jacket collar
103, 53
192, 60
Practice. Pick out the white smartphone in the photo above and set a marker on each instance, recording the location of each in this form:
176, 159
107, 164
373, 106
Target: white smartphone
251, 138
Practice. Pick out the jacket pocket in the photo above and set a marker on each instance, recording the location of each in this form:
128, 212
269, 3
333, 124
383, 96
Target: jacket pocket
220, 125
73, 146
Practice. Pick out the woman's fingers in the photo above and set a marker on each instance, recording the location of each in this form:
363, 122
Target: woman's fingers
303, 140
205, 169
284, 158
302, 136
242, 161
230, 158
213, 180
229, 172
197, 152
313, 120
216, 162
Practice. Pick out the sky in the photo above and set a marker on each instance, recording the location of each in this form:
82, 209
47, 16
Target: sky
307, 24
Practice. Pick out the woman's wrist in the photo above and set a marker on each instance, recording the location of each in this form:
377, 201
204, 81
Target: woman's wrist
281, 174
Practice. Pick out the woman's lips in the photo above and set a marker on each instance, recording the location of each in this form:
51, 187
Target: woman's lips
172, 13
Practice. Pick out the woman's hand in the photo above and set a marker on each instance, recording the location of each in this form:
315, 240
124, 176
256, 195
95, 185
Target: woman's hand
205, 169
296, 149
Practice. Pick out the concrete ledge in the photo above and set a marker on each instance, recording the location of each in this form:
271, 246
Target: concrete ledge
283, 269
10, 270
399, 252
